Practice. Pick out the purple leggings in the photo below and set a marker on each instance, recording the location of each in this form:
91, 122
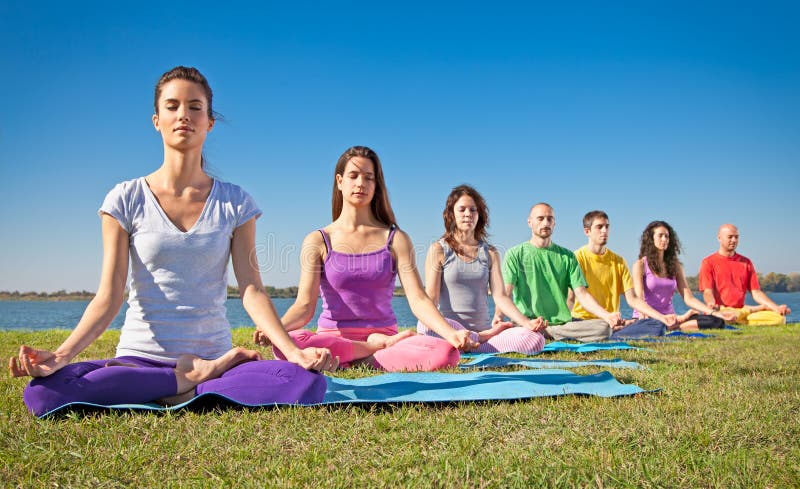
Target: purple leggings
252, 383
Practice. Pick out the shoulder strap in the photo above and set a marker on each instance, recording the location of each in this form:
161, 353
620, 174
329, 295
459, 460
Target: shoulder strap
327, 241
392, 230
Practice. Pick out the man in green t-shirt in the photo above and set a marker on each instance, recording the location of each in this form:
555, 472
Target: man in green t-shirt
539, 274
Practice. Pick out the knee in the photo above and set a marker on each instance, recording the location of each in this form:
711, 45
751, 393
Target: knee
531, 342
311, 386
300, 338
44, 394
41, 396
443, 355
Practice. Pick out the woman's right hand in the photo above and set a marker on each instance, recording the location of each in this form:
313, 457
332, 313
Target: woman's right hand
460, 339
35, 363
670, 320
319, 359
537, 324
260, 338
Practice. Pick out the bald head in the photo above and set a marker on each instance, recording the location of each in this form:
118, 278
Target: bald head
541, 220
728, 237
543, 205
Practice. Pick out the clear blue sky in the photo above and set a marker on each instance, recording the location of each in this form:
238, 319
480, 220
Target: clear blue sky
682, 111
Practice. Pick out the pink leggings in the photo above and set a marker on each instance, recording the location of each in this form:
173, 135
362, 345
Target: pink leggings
511, 340
415, 353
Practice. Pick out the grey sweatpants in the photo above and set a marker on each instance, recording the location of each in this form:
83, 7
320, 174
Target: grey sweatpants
586, 331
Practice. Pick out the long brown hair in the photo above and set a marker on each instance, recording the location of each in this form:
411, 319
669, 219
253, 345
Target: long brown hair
380, 205
448, 214
669, 266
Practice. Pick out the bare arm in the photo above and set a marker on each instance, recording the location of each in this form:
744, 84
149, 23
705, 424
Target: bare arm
98, 314
259, 306
590, 304
760, 297
433, 272
708, 298
705, 277
644, 308
570, 299
690, 300
302, 310
421, 305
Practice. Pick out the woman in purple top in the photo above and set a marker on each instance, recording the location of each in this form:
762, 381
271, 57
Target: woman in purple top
658, 274
178, 228
352, 263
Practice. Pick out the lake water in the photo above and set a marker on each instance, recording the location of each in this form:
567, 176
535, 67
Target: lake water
34, 315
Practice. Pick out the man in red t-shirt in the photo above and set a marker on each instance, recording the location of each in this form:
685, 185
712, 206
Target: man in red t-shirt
726, 276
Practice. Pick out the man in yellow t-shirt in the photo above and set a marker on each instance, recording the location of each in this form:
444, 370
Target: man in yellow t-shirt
608, 278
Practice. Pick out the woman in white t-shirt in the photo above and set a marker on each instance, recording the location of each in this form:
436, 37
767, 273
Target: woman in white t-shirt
177, 227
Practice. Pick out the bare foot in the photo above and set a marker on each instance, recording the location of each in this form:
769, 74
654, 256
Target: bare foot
197, 370
191, 370
381, 341
687, 315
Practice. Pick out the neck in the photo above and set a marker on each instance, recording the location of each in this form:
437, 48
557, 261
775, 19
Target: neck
540, 242
724, 252
596, 248
465, 237
354, 217
181, 169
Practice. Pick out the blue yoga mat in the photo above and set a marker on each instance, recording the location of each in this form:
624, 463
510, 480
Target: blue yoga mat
681, 334
489, 360
588, 347
424, 387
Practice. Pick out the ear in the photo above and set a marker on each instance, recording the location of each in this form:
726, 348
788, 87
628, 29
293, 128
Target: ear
585, 231
338, 181
211, 124
155, 122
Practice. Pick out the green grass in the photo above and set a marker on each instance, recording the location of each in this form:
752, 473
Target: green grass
728, 416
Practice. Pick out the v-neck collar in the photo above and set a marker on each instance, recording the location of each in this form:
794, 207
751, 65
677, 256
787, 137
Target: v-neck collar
164, 215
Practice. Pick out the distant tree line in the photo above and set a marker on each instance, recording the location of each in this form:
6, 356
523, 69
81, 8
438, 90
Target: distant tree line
770, 282
59, 295
276, 292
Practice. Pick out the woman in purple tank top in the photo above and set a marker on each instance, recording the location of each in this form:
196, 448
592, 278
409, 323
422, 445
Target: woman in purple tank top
459, 271
352, 263
658, 274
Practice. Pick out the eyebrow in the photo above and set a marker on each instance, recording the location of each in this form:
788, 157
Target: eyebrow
174, 100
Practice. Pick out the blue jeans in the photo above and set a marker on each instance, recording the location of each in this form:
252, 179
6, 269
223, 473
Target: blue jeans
641, 329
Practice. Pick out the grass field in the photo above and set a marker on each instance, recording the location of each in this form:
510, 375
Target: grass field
728, 416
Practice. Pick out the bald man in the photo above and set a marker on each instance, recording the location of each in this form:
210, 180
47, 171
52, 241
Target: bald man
538, 274
726, 276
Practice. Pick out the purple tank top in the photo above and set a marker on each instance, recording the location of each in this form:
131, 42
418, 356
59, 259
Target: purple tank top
658, 291
357, 289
